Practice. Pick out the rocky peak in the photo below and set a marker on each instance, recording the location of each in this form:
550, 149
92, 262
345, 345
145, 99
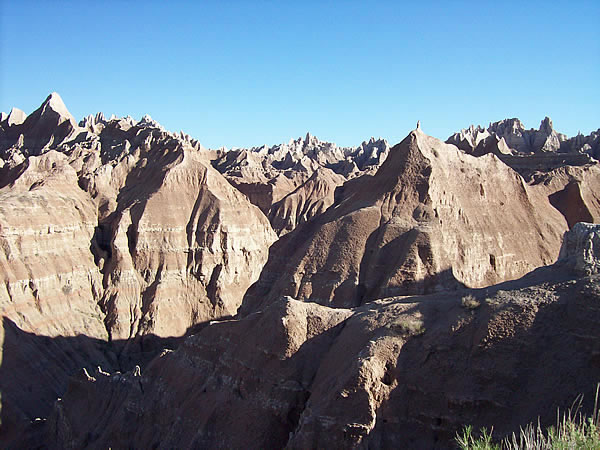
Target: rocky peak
15, 117
54, 105
310, 141
48, 126
546, 125
148, 121
507, 126
475, 140
51, 114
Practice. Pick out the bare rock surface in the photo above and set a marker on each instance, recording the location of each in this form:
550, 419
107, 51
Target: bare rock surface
573, 190
307, 201
431, 218
402, 372
120, 241
159, 240
115, 230
515, 135
581, 249
529, 150
268, 175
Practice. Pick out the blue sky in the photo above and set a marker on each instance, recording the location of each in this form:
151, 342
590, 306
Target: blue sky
250, 73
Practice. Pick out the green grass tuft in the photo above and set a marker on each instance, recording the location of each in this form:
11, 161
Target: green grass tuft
573, 431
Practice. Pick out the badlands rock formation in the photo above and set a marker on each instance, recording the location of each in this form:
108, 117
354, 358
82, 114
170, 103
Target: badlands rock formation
573, 190
137, 309
293, 182
310, 199
402, 372
114, 230
125, 217
514, 135
527, 150
431, 218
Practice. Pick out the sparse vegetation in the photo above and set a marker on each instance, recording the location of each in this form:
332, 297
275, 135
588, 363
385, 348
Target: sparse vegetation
467, 441
470, 302
573, 431
409, 326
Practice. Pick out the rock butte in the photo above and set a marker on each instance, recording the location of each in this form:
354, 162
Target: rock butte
299, 295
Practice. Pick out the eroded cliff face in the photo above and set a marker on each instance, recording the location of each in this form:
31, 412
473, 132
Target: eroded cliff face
514, 135
398, 372
48, 279
528, 151
125, 219
118, 237
294, 182
110, 231
183, 253
431, 218
307, 201
571, 190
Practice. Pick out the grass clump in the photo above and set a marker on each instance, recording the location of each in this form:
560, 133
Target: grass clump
573, 431
408, 326
467, 441
470, 302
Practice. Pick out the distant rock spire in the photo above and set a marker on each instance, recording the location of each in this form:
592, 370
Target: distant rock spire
16, 117
418, 124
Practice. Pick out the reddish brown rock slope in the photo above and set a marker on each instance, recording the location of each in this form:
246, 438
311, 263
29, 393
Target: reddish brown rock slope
402, 372
431, 218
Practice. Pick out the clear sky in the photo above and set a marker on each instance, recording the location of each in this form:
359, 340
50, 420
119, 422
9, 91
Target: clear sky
243, 73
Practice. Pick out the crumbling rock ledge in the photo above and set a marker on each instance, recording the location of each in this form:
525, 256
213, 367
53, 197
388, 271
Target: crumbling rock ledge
580, 251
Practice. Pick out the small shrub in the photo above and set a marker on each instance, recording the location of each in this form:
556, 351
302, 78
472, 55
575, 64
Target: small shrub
470, 302
408, 326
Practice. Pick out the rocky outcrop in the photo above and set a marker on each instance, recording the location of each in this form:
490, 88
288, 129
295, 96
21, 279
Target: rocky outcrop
48, 279
175, 260
308, 200
165, 241
119, 239
581, 249
571, 190
509, 137
431, 218
49, 285
469, 139
47, 127
268, 175
114, 230
589, 145
545, 139
404, 372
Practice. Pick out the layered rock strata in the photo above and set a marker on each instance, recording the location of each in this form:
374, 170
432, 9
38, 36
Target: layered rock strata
403, 372
293, 182
115, 230
431, 218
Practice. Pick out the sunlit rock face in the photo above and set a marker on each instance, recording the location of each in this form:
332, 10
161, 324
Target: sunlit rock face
431, 218
293, 182
528, 150
115, 228
117, 237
